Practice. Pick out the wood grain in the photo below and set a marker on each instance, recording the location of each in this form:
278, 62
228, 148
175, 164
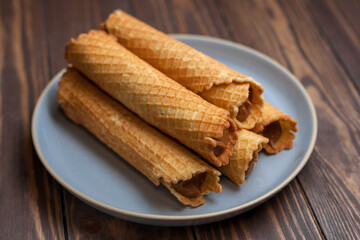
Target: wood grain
344, 35
297, 43
64, 22
240, 227
29, 202
316, 40
83, 221
184, 19
285, 216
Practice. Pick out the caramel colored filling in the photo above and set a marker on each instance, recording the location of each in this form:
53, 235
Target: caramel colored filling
272, 132
252, 164
190, 188
221, 143
244, 109
219, 149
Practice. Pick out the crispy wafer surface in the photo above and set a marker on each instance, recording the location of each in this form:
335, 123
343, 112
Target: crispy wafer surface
156, 98
158, 157
191, 68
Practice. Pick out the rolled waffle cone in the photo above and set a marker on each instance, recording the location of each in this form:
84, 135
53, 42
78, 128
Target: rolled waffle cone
157, 99
244, 157
282, 126
158, 157
198, 72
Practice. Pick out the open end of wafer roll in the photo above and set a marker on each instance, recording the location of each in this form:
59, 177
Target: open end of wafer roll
249, 112
278, 127
245, 156
243, 100
192, 191
251, 165
221, 148
190, 188
280, 135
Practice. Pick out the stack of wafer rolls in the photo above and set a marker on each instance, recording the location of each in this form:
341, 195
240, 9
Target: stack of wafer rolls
239, 94
278, 127
160, 158
273, 134
160, 101
185, 96
245, 156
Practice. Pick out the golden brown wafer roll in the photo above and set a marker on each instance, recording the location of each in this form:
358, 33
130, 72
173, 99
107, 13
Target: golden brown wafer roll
278, 127
245, 156
212, 80
158, 157
153, 96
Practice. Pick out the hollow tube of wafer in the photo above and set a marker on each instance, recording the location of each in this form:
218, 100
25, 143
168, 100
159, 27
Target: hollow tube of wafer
245, 155
239, 94
160, 158
278, 127
159, 100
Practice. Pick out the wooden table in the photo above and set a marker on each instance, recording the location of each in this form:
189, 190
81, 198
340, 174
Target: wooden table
318, 41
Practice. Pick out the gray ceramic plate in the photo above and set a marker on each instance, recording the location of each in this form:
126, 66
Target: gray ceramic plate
95, 174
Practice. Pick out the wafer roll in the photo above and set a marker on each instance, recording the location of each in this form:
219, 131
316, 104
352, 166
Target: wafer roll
160, 158
278, 127
245, 156
212, 80
153, 96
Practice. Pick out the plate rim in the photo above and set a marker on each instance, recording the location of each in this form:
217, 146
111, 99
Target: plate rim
144, 216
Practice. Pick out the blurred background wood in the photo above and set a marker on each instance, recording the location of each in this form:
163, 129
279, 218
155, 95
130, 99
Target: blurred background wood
318, 41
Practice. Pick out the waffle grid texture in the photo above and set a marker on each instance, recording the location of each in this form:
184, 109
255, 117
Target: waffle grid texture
248, 144
157, 156
288, 126
198, 72
157, 99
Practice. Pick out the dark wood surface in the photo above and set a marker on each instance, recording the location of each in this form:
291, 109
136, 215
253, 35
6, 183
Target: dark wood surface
318, 41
